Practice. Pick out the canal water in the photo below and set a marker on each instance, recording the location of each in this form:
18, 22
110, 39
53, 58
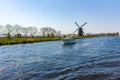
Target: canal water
89, 59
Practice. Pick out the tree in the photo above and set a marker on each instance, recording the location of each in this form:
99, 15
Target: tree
117, 33
48, 31
17, 30
58, 33
1, 29
43, 30
32, 30
8, 30
52, 32
25, 31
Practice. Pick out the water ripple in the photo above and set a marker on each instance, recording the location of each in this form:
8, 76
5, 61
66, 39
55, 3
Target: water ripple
88, 59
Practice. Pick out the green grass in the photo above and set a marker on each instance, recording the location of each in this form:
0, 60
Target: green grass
78, 37
7, 41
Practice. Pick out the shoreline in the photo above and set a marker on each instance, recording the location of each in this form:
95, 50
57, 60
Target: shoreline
11, 41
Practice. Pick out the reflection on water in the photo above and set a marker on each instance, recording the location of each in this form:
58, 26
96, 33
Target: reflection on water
88, 59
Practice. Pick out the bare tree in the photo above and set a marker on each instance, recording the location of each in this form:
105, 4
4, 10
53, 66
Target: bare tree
8, 30
17, 30
1, 29
48, 31
43, 30
52, 32
58, 33
32, 30
25, 31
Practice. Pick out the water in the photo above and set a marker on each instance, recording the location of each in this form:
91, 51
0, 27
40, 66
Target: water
88, 59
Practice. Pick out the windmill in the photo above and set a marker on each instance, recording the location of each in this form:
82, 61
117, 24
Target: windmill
80, 29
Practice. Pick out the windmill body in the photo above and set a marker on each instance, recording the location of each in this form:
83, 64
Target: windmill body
80, 29
80, 32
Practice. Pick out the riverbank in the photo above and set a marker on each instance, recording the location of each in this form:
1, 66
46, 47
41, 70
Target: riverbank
7, 41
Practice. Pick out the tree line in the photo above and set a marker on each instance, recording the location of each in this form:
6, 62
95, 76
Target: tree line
103, 34
20, 31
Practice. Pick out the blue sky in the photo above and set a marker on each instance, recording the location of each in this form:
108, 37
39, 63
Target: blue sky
101, 15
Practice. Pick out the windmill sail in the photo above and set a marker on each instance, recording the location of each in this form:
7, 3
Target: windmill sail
83, 24
80, 29
77, 24
76, 30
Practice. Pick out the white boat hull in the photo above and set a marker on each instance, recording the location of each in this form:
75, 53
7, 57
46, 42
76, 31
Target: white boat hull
69, 41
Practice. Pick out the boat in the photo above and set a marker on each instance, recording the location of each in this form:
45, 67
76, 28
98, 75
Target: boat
68, 40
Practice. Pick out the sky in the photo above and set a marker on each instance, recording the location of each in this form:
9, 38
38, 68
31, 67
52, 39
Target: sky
102, 16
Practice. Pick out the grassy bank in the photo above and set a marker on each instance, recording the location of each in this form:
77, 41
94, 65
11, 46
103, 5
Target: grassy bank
6, 41
78, 37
